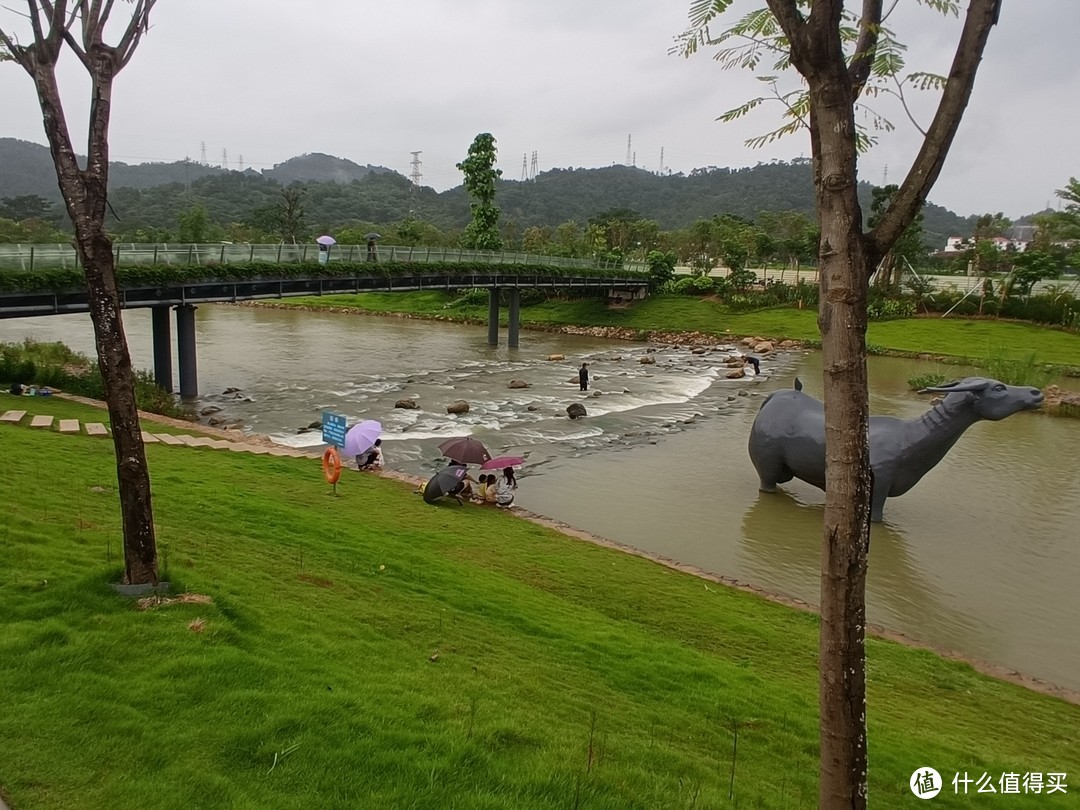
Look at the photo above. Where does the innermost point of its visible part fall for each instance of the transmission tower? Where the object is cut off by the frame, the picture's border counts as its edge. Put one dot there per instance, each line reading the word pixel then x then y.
pixel 661 161
pixel 534 165
pixel 240 158
pixel 524 168
pixel 634 162
pixel 203 159
pixel 628 155
pixel 415 177
pixel 225 158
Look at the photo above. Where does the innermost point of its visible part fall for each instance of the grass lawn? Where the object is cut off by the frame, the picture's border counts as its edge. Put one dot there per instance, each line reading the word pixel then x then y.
pixel 368 650
pixel 953 337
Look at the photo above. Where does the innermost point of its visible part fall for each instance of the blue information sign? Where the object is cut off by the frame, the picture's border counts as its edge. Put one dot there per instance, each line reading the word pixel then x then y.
pixel 333 428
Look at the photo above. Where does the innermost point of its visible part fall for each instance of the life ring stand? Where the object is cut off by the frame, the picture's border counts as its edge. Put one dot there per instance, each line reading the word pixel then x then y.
pixel 331 465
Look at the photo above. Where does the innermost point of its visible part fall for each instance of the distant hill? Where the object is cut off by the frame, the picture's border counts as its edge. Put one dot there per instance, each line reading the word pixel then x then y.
pixel 316 167
pixel 341 192
pixel 27 168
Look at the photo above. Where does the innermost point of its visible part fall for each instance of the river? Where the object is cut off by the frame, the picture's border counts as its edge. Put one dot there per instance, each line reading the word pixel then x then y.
pixel 981 557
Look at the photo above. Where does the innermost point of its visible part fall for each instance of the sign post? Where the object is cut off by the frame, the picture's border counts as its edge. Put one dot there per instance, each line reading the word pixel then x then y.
pixel 333 433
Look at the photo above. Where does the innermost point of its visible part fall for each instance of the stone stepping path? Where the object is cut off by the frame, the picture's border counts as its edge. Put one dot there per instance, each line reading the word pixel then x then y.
pixel 71 426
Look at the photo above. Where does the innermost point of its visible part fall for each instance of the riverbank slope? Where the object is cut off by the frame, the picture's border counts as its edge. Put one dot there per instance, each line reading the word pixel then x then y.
pixel 361 648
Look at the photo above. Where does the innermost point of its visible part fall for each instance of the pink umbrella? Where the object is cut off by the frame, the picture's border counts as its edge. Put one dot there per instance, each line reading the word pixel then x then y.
pixel 502 461
pixel 326 240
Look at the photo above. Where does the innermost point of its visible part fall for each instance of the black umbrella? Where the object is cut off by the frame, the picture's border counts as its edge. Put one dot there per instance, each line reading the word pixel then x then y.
pixel 445 482
pixel 465 449
pixel 373 236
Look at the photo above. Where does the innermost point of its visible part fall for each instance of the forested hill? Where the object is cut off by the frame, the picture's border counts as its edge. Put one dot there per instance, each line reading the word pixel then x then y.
pixel 26 168
pixel 340 192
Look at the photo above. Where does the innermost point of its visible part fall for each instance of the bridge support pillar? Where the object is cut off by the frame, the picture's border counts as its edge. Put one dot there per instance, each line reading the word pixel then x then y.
pixel 185 339
pixel 161 331
pixel 493 316
pixel 515 317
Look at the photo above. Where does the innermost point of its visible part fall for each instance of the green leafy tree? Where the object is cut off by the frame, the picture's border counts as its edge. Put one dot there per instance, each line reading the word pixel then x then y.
pixel 567 240
pixel 1029 268
pixel 55 27
pixel 28 206
pixel 987 226
pixel 909 249
pixel 482 233
pixel 1059 226
pixel 841 56
pixel 195 224
pixel 661 267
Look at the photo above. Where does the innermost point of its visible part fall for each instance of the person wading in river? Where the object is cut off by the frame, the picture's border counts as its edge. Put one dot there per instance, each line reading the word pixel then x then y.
pixel 583 376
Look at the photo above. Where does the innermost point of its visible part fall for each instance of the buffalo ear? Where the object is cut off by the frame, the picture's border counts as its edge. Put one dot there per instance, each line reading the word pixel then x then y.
pixel 968 384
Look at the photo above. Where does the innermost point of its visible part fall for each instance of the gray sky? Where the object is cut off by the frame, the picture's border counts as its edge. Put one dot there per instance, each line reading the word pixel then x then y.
pixel 568 79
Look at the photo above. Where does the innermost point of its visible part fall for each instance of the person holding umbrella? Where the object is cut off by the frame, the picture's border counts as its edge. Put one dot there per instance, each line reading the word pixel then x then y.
pixel 372 253
pixel 374 460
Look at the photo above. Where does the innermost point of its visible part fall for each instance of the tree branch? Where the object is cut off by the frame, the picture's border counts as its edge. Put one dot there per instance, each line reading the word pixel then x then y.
pixel 137 26
pixel 981 17
pixel 865 46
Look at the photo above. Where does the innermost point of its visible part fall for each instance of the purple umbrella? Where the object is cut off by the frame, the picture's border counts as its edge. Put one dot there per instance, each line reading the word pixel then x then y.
pixel 327 240
pixel 361 437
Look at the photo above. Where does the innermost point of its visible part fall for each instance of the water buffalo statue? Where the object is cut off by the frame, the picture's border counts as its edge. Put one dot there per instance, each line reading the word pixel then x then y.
pixel 788 437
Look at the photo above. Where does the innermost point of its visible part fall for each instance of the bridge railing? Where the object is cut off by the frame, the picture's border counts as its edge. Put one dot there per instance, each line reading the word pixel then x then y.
pixel 27 258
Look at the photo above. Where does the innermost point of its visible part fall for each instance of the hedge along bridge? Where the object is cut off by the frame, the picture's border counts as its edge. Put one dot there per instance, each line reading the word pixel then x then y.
pixel 175 285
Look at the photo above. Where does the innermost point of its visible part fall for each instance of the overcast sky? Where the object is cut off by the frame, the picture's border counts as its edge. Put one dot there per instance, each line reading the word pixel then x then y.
pixel 567 79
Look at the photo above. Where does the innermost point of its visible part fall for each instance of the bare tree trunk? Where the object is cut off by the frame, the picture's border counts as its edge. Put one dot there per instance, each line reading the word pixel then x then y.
pixel 843 268
pixel 85 194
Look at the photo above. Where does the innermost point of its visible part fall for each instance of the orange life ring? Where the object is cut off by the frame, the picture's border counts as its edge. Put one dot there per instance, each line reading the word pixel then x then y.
pixel 331 465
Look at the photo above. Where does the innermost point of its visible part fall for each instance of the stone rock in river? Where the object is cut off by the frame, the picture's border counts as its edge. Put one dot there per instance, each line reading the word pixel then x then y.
pixel 407 404
pixel 518 384
pixel 459 407
pixel 556 357
pixel 647 360
pixel 576 410
pixel 735 374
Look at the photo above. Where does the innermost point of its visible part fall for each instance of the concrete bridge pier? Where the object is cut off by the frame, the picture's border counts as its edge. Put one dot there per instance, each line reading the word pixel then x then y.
pixel 185 338
pixel 493 316
pixel 515 317
pixel 161 331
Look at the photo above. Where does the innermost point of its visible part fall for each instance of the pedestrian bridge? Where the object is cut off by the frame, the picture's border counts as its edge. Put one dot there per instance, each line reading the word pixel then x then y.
pixel 184 296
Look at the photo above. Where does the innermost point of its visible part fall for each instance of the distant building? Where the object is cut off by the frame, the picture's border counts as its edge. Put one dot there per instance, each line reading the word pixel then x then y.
pixel 958 244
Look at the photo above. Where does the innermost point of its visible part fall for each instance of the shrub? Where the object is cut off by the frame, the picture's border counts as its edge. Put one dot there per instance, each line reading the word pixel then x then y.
pixel 929 380
pixel 66 370
pixel 890 309
pixel 695 285
pixel 475 297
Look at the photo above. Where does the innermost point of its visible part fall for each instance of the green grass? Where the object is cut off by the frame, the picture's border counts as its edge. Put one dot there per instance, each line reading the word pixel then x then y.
pixel 368 650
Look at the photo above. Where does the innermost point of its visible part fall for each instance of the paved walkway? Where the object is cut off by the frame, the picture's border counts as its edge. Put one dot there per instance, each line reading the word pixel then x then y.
pixel 73 427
